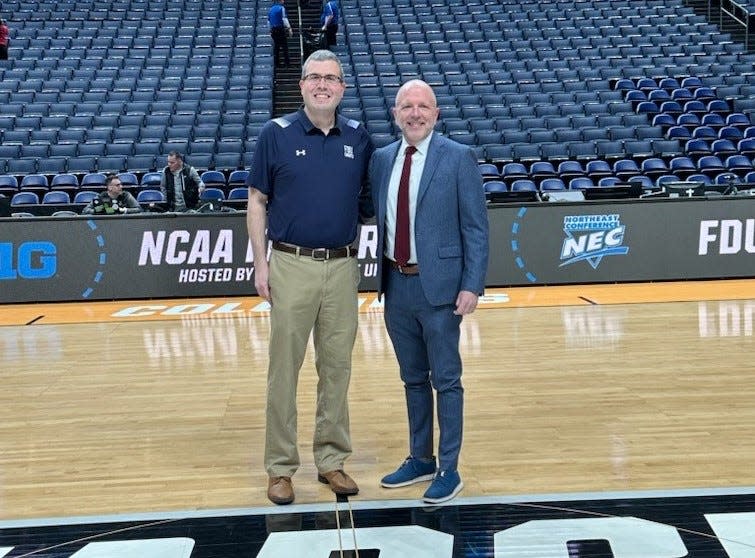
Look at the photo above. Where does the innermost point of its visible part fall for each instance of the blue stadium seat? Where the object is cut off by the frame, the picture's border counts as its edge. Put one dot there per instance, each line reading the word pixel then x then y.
pixel 212 194
pixel 552 184
pixel 237 179
pixel 570 169
pixel 213 178
pixel 151 180
pixel 82 164
pixel 645 181
pixel 111 163
pixel 24 198
pixel 84 196
pixel 34 181
pixel 57 197
pixel 607 181
pixel 718 106
pixel 580 183
pixel 540 170
pixel 238 193
pixel 493 186
pixel 738 164
pixel 93 181
pixel 150 196
pixel 598 168
pixel 723 148
pixel 726 132
pixel 688 120
pixel 513 171
pixel 64 181
pixel 523 184
pixel 488 170
pixel 704 132
pixel 8 184
pixel 746 146
pixel 626 168
pixel 128 179
pixel 696 148
pixel 710 165
pixel 638 149
pixel 140 163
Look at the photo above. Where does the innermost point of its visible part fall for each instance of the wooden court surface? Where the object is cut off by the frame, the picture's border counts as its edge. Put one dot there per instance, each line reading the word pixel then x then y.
pixel 138 406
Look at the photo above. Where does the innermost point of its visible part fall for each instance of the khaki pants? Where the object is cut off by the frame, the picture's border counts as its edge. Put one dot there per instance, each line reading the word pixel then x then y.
pixel 318 297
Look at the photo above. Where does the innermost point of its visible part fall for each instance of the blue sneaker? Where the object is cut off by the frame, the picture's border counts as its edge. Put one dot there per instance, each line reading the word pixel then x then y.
pixel 445 486
pixel 411 470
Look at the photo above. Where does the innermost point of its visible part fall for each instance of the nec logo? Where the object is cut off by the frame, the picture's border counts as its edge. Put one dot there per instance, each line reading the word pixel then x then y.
pixel 590 237
pixel 28 260
pixel 179 547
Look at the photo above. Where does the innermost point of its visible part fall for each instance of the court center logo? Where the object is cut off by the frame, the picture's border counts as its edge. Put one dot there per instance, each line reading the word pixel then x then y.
pixel 591 238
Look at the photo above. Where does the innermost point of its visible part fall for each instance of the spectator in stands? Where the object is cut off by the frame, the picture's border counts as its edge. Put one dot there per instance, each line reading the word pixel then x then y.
pixel 307 191
pixel 4 40
pixel 280 31
pixel 180 184
pixel 329 22
pixel 433 247
pixel 113 201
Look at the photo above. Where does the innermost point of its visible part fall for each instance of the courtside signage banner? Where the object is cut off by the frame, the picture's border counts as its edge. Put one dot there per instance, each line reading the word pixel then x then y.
pixel 160 256
pixel 635 241
pixel 126 257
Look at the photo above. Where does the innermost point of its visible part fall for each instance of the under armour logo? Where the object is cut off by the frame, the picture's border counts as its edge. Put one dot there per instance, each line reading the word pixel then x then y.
pixel 301 152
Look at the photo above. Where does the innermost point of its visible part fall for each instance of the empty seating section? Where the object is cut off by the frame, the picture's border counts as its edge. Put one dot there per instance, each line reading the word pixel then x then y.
pixel 102 86
pixel 528 82
pixel 551 95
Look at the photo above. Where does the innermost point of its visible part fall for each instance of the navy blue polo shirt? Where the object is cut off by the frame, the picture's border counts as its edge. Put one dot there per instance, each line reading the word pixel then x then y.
pixel 312 181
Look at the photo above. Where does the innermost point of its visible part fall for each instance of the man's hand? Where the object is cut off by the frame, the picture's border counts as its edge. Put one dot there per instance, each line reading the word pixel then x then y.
pixel 466 302
pixel 261 275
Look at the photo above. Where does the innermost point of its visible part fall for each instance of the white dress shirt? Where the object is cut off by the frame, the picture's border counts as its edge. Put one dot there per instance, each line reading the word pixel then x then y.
pixel 418 165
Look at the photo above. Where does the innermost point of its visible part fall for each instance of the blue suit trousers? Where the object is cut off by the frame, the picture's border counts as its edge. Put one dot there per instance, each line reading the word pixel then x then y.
pixel 426 341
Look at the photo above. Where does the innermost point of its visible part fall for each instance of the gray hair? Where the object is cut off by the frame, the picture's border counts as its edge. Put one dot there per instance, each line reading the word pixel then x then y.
pixel 321 55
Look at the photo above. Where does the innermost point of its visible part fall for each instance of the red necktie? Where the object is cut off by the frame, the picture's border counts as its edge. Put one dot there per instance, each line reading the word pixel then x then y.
pixel 401 247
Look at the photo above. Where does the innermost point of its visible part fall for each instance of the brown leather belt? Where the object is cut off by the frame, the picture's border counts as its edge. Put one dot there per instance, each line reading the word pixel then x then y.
pixel 319 254
pixel 408 269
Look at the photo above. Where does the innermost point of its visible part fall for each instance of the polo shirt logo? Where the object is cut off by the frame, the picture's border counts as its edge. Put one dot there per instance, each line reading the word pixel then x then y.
pixel 301 152
pixel 348 151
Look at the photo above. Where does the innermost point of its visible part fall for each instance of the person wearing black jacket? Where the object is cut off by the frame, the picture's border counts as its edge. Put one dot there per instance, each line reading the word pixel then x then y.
pixel 180 184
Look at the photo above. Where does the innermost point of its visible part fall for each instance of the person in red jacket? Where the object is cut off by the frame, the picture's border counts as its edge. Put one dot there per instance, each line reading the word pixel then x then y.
pixel 4 40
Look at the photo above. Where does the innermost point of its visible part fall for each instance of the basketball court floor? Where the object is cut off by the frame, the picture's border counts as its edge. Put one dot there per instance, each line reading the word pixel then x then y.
pixel 601 421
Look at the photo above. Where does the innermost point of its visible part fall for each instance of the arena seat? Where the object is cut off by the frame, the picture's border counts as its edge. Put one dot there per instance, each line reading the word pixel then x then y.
pixel 150 196
pixel 24 198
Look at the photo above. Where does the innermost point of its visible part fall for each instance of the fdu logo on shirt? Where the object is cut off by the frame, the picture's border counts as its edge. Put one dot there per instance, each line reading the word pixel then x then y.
pixel 591 237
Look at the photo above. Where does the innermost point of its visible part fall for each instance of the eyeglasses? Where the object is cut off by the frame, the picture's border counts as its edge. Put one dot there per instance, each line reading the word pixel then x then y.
pixel 330 79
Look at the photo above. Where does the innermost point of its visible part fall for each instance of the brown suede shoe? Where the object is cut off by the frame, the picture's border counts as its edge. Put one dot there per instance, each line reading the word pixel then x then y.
pixel 339 482
pixel 280 490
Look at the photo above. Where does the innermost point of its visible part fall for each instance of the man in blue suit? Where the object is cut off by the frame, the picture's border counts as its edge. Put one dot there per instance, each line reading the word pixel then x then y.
pixel 432 260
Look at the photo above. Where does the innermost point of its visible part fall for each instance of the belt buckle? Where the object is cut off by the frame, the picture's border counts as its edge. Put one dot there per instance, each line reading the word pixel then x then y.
pixel 320 254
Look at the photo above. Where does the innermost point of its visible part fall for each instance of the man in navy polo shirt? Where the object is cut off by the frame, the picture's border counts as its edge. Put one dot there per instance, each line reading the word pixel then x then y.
pixel 307 192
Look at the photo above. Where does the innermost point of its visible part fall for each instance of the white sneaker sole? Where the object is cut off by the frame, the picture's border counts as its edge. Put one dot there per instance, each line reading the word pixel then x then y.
pixel 415 480
pixel 453 494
